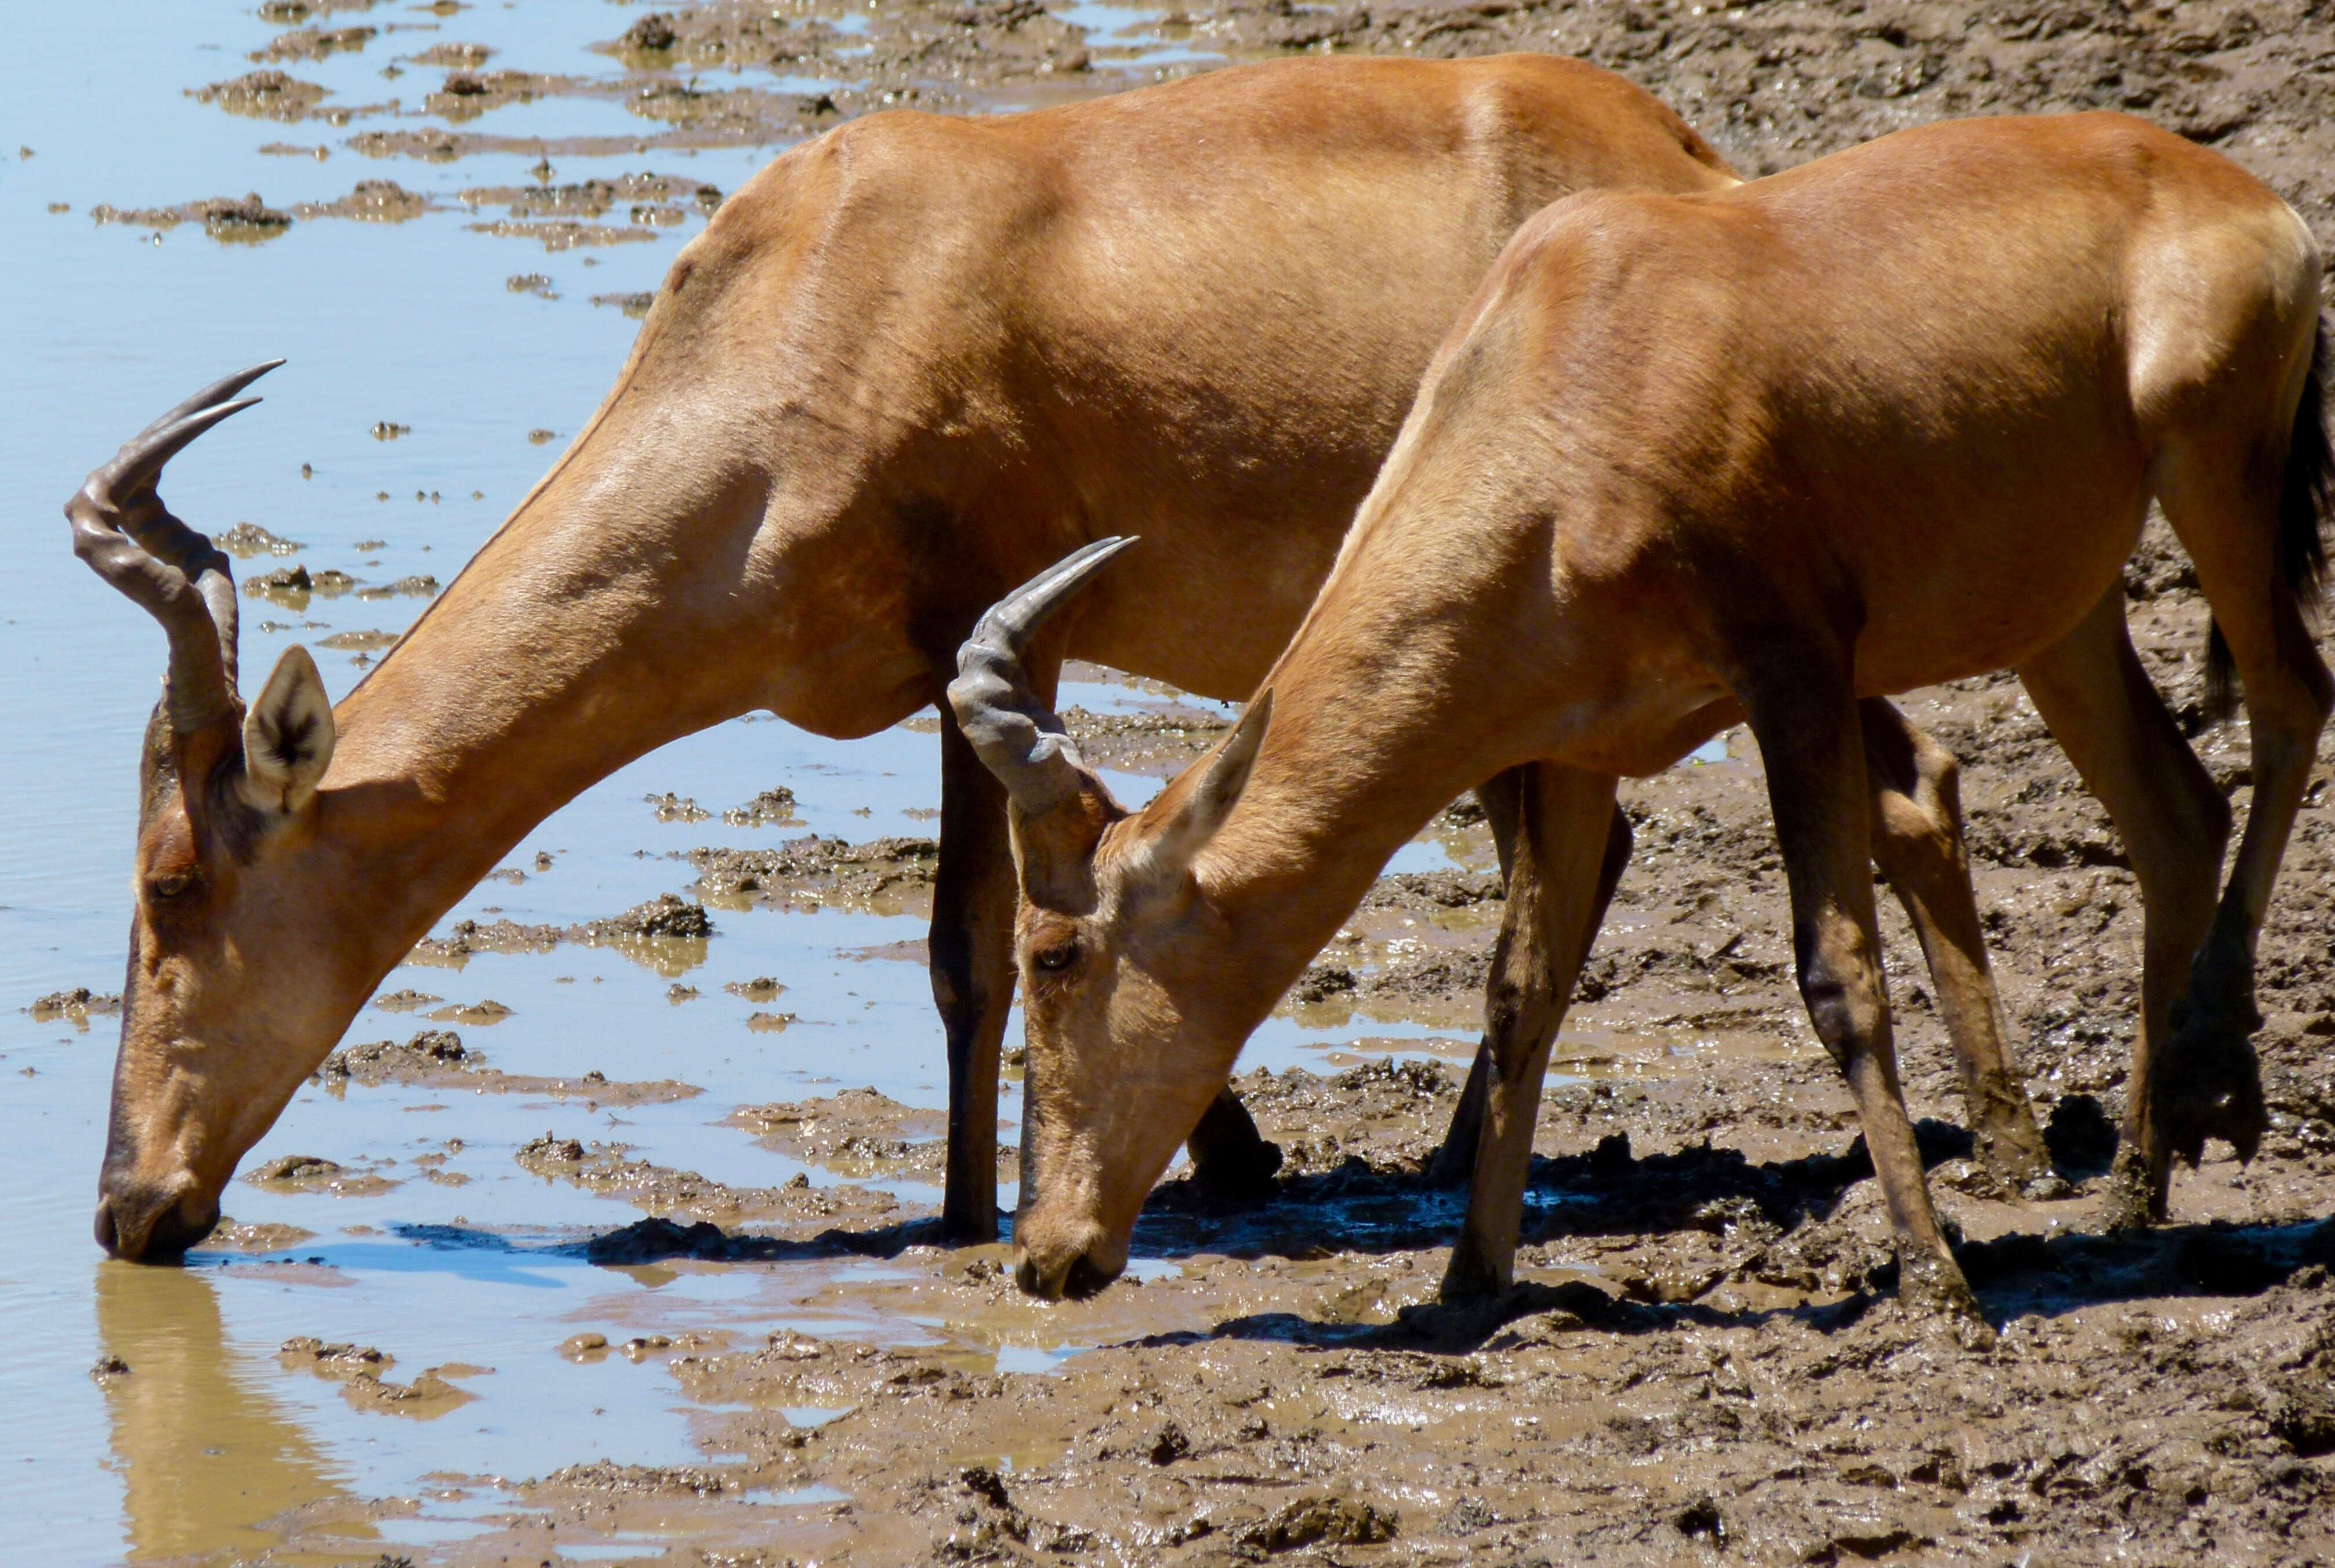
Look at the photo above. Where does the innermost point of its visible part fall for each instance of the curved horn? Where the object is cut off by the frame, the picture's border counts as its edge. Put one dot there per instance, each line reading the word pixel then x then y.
pixel 1017 737
pixel 129 537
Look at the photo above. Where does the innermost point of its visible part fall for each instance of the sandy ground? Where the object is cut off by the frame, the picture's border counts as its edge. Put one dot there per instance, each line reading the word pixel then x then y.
pixel 1705 1363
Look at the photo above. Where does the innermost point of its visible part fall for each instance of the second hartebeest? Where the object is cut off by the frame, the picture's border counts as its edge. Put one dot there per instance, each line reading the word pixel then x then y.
pixel 1891 418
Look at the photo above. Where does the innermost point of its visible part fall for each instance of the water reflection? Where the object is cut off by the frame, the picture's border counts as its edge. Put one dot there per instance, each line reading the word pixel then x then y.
pixel 206 1458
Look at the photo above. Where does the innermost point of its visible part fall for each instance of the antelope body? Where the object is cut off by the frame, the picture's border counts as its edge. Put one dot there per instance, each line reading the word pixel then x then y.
pixel 1891 418
pixel 905 366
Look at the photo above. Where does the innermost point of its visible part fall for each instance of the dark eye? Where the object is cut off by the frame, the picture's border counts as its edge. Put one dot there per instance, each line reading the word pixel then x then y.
pixel 169 885
pixel 1054 960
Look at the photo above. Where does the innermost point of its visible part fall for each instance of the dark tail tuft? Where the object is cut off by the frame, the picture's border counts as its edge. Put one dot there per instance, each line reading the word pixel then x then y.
pixel 2308 492
pixel 2221 676
pixel 2304 501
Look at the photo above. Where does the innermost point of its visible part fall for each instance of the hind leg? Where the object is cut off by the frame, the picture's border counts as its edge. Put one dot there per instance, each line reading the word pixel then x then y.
pixel 1917 842
pixel 2107 716
pixel 2228 509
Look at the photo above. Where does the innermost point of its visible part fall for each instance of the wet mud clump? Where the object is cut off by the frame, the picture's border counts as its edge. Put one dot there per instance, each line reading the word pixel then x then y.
pixel 437 1058
pixel 771 808
pixel 233 1235
pixel 789 1212
pixel 229 219
pixel 668 934
pixel 882 877
pixel 372 201
pixel 1158 742
pixel 634 306
pixel 315 42
pixel 264 95
pixel 308 1173
pixel 245 540
pixel 76 1007
pixel 862 1133
pixel 593 198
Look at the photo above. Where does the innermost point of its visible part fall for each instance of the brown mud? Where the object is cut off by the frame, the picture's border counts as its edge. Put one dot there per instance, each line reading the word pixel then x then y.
pixel 881 877
pixel 438 1058
pixel 666 933
pixel 864 1136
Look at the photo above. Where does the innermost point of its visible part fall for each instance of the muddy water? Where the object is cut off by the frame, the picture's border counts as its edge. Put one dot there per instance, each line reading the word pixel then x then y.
pixel 433 371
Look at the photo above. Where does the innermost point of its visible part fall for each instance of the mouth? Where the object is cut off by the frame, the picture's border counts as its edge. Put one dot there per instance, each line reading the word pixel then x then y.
pixel 1084 1278
pixel 154 1229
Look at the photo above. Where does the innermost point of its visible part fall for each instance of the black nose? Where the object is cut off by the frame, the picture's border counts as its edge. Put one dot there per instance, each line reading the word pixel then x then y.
pixel 143 1226
pixel 1084 1279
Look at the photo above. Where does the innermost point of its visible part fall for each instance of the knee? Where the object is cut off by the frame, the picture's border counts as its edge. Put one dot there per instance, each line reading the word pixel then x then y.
pixel 959 993
pixel 1845 1000
pixel 1940 786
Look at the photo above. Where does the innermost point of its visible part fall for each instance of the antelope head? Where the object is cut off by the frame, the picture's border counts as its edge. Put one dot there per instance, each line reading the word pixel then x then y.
pixel 225 794
pixel 1131 1028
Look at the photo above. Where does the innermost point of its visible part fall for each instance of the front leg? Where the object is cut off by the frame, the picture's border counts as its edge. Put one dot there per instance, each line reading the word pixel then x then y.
pixel 1564 834
pixel 1502 800
pixel 970 948
pixel 1805 717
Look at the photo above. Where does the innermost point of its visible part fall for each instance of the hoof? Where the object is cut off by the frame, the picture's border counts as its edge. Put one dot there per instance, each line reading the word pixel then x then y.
pixel 2209 1085
pixel 2137 1192
pixel 2014 1156
pixel 1231 1160
pixel 1933 1286
pixel 1469 1278
pixel 1245 1176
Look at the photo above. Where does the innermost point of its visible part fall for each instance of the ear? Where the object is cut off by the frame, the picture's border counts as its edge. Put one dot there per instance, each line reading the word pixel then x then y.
pixel 1189 813
pixel 288 736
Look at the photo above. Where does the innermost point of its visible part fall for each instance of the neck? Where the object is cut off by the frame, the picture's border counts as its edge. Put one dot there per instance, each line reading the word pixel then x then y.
pixel 639 595
pixel 1339 786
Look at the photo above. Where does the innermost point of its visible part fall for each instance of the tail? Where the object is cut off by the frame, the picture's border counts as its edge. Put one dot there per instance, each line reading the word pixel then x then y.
pixel 2304 501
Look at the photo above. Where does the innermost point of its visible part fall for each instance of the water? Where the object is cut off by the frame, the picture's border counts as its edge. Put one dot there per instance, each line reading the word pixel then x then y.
pixel 210 1435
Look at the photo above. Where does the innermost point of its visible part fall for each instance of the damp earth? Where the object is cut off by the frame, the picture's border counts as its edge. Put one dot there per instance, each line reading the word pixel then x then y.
pixel 608 1233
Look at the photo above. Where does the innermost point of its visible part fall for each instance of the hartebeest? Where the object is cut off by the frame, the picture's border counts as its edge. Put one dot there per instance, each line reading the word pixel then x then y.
pixel 1890 419
pixel 904 367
